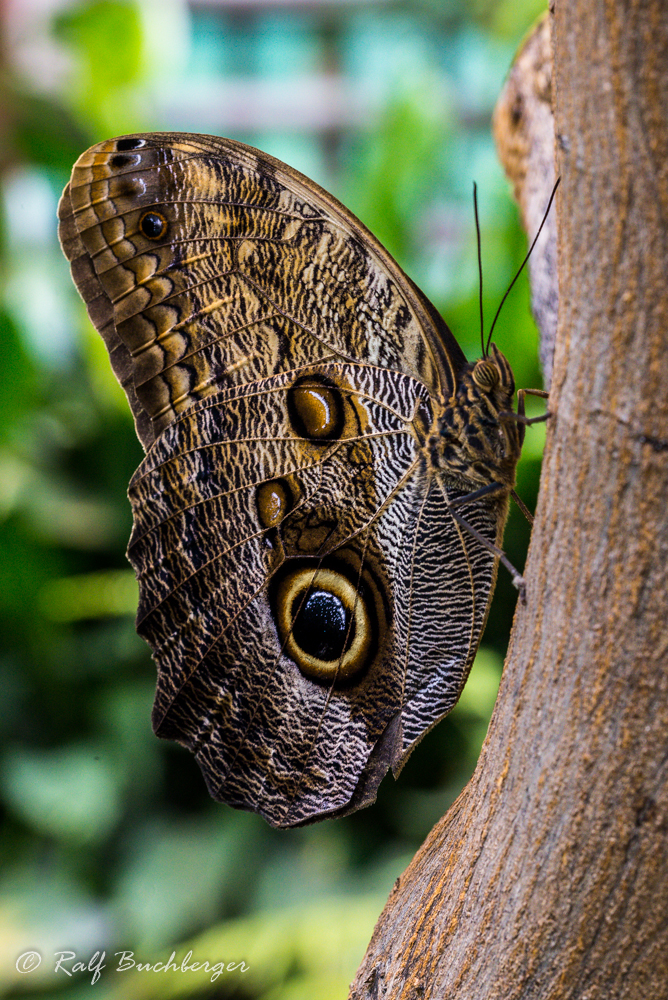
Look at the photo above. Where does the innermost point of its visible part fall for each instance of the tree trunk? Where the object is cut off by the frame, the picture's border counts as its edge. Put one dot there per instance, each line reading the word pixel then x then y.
pixel 548 878
pixel 524 133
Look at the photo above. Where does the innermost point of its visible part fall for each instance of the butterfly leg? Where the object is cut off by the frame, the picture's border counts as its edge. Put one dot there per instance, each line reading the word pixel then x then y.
pixel 522 506
pixel 541 393
pixel 517 578
pixel 520 417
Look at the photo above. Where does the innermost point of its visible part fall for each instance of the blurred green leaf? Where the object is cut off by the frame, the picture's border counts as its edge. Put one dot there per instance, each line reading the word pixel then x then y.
pixel 90 595
pixel 71 793
pixel 309 952
pixel 106 39
pixel 481 688
pixel 39 129
pixel 176 873
pixel 19 382
pixel 394 168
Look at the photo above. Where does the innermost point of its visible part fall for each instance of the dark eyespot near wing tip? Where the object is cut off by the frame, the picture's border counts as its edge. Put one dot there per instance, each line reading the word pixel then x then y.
pixel 122 160
pixel 153 225
pixel 129 143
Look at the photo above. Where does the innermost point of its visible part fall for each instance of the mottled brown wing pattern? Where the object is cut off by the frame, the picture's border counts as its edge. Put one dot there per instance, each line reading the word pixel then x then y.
pixel 207 264
pixel 263 729
pixel 312 603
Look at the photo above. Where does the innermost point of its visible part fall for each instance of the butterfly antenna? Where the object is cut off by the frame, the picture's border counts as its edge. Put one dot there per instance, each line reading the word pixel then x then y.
pixel 521 267
pixel 477 233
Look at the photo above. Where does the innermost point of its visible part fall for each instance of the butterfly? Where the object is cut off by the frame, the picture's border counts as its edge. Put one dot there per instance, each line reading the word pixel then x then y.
pixel 318 519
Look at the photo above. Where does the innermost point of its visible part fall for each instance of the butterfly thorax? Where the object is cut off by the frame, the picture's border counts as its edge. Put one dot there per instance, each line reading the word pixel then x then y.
pixel 475 443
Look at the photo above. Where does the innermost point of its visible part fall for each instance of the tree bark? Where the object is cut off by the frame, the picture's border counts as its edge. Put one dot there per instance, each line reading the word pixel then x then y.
pixel 548 878
pixel 523 126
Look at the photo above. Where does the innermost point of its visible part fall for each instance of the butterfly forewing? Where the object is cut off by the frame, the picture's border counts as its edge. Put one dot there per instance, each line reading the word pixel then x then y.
pixel 255 271
pixel 312 604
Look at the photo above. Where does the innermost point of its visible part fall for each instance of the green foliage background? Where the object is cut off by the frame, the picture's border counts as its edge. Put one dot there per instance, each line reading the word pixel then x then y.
pixel 110 841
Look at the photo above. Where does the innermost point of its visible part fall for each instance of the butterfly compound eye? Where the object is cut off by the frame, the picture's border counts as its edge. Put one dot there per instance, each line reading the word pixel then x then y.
pixel 153 225
pixel 486 375
pixel 325 623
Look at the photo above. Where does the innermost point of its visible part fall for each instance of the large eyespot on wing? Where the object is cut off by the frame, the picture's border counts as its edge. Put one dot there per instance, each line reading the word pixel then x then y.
pixel 266 577
pixel 205 263
pixel 312 606
pixel 329 618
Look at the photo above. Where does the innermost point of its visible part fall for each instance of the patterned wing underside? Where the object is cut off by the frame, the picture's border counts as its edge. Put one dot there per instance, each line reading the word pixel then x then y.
pixel 262 732
pixel 248 278
pixel 258 271
pixel 444 585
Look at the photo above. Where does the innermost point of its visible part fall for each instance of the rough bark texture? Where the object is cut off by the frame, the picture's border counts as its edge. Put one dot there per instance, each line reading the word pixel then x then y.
pixel 549 876
pixel 524 134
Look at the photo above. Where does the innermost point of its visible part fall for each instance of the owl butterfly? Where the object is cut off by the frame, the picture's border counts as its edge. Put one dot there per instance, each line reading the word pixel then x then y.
pixel 326 481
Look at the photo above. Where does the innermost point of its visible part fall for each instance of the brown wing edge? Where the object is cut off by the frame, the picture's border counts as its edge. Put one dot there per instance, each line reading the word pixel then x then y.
pixel 379 762
pixel 101 313
pixel 447 343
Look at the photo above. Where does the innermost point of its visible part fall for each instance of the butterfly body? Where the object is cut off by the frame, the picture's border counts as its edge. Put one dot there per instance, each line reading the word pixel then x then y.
pixel 473 445
pixel 313 433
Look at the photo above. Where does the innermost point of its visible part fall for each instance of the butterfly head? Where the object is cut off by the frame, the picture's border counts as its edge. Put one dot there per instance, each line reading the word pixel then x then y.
pixel 494 377
pixel 476 442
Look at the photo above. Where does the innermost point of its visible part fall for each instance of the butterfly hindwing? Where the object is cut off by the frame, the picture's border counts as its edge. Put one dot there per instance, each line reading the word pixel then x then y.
pixel 215 571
